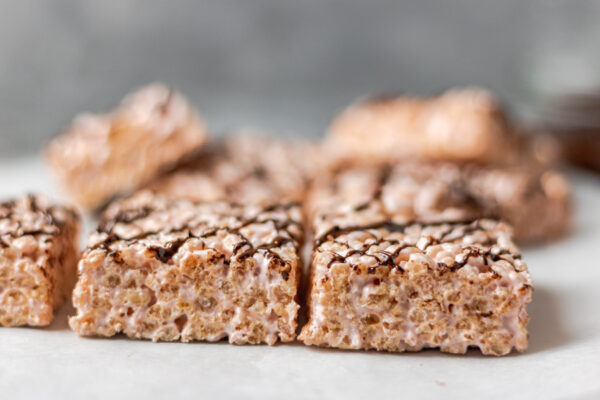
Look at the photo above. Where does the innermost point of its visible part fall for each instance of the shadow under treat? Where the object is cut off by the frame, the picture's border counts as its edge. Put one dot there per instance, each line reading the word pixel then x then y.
pixel 547 330
pixel 61 318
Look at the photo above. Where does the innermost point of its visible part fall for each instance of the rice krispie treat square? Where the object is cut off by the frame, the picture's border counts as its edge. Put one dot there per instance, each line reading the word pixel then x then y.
pixel 393 287
pixel 102 155
pixel 178 270
pixel 38 255
pixel 459 125
pixel 244 168
pixel 535 201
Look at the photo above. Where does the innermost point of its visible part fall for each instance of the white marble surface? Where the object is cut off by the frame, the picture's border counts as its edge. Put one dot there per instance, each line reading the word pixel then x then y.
pixel 563 360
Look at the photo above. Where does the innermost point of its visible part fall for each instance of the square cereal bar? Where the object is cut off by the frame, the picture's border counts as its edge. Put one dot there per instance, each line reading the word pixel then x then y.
pixel 393 287
pixel 459 125
pixel 100 156
pixel 38 255
pixel 178 270
pixel 243 168
pixel 535 201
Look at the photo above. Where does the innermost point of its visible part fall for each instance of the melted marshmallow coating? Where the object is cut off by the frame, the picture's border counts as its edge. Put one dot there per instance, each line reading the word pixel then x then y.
pixel 176 270
pixel 38 255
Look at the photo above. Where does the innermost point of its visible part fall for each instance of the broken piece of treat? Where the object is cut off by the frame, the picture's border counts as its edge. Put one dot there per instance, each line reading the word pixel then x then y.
pixel 243 168
pixel 177 270
pixel 100 156
pixel 459 125
pixel 406 287
pixel 535 201
pixel 38 255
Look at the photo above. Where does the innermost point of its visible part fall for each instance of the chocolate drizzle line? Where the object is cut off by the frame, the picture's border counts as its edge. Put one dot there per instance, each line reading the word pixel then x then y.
pixel 384 173
pixel 165 253
pixel 381 98
pixel 163 108
pixel 124 216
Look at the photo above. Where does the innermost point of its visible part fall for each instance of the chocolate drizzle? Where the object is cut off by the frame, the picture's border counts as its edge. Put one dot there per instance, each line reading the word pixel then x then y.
pixel 241 251
pixel 165 253
pixel 457 229
pixel 381 98
pixel 384 172
pixel 334 232
pixel 124 216
pixel 164 106
pixel 48 218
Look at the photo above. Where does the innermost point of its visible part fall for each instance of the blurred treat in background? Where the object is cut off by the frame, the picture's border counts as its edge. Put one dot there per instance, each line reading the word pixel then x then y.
pixel 458 125
pixel 244 167
pixel 103 155
pixel 560 78
pixel 574 118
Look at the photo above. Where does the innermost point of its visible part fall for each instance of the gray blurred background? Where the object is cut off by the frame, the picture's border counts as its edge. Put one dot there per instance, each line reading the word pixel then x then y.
pixel 285 66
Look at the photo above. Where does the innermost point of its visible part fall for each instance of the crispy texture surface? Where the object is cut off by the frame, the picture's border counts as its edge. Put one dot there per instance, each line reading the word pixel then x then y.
pixel 38 254
pixel 103 155
pixel 177 270
pixel 393 287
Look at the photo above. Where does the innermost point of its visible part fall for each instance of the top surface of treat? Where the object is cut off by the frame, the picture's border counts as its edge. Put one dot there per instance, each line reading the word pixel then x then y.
pixel 425 191
pixel 243 168
pixel 461 124
pixel 401 193
pixel 451 246
pixel 31 215
pixel 473 108
pixel 467 99
pixel 156 109
pixel 158 106
pixel 160 226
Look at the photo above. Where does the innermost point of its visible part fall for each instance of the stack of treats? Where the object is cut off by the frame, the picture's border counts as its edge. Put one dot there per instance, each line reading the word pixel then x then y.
pixel 411 208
